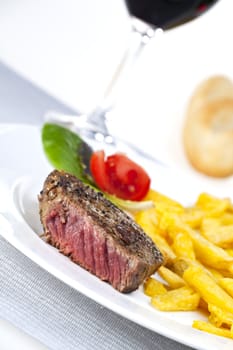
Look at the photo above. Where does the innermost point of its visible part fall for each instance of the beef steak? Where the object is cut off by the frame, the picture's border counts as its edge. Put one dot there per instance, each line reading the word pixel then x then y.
pixel 95 233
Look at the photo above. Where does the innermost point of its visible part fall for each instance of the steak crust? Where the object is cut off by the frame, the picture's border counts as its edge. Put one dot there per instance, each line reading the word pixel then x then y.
pixel 95 233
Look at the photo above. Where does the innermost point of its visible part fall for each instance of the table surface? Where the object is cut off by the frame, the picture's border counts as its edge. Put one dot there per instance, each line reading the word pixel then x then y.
pixel 69 48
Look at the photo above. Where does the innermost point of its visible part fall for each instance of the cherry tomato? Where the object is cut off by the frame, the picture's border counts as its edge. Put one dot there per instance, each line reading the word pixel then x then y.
pixel 119 175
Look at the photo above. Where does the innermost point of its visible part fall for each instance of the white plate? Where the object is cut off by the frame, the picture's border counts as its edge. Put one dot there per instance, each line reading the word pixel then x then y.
pixel 22 172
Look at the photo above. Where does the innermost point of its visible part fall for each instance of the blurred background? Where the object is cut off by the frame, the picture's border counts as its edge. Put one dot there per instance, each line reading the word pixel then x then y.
pixel 70 48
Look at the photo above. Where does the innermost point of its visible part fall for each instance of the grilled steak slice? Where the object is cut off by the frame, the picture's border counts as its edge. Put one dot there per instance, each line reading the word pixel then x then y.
pixel 96 234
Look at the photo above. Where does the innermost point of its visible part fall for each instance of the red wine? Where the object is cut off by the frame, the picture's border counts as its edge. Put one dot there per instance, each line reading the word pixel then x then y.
pixel 167 13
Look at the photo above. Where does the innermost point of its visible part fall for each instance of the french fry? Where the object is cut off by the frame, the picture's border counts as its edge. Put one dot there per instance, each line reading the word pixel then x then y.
pixel 210 328
pixel 197 243
pixel 171 224
pixel 183 246
pixel 173 280
pixel 210 223
pixel 212 206
pixel 215 232
pixel 179 265
pixel 196 277
pixel 163 204
pixel 229 251
pixel 181 299
pixel 206 251
pixel 216 274
pixel 153 287
pixel 227 284
pixel 164 247
pixel 159 198
pixel 147 220
pixel 210 254
pixel 203 305
pixel 226 273
pixel 220 317
pixel 192 216
pixel 226 218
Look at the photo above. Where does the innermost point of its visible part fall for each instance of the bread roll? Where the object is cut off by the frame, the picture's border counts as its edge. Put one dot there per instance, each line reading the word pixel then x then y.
pixel 208 127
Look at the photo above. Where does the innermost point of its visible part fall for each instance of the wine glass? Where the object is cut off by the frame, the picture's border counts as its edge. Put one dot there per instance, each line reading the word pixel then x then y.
pixel 147 17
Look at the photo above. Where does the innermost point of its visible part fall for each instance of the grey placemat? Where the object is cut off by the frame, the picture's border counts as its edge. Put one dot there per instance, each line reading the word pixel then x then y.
pixel 34 300
pixel 59 316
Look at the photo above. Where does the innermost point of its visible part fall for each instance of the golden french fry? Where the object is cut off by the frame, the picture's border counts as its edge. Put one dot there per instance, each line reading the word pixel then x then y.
pixel 207 252
pixel 153 287
pixel 192 216
pixel 159 198
pixel 210 328
pixel 227 284
pixel 203 305
pixel 171 224
pixel 165 249
pixel 210 254
pixel 196 277
pixel 220 317
pixel 173 280
pixel 163 204
pixel 183 246
pixel 226 218
pixel 226 273
pixel 216 274
pixel 215 232
pixel 223 236
pixel 210 223
pixel 165 207
pixel 197 243
pixel 181 299
pixel 147 219
pixel 229 251
pixel 179 265
pixel 212 206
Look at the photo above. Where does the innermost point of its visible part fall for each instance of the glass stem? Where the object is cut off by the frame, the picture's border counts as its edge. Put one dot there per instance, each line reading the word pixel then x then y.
pixel 141 34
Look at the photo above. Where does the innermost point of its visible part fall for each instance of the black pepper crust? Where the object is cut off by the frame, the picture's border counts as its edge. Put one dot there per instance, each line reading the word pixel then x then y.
pixel 102 211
